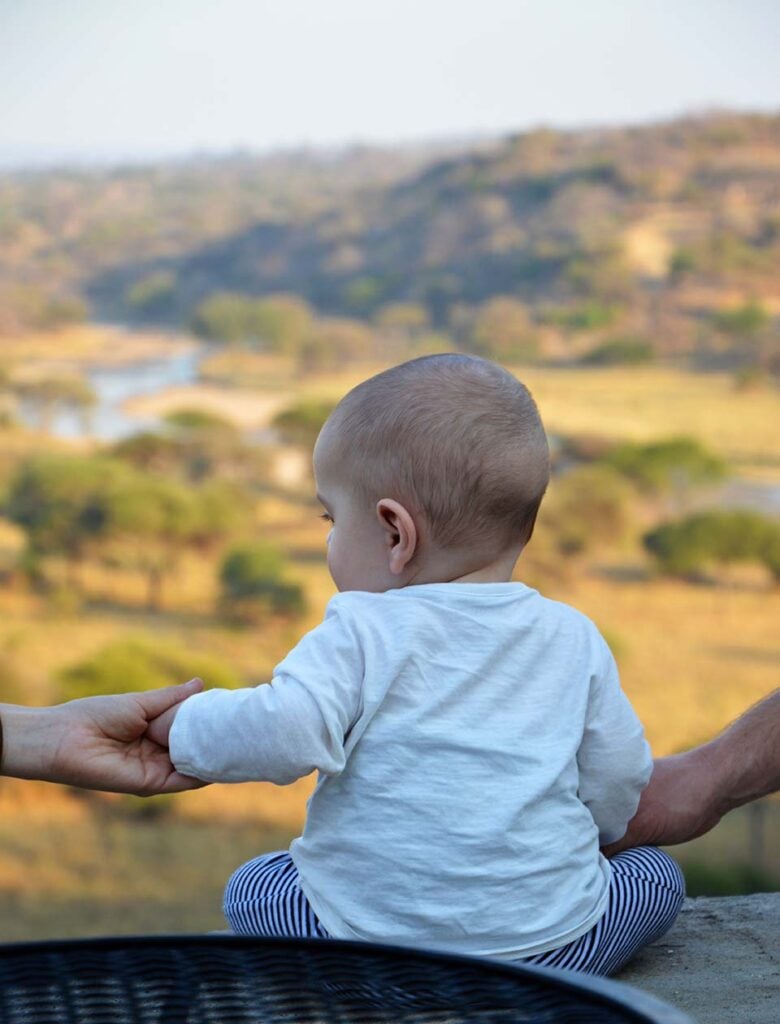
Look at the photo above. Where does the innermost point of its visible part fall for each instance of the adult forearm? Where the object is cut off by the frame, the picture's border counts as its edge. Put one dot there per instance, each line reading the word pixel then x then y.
pixel 745 758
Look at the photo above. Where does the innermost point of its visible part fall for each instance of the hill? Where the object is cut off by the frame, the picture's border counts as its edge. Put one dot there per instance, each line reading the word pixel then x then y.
pixel 667 231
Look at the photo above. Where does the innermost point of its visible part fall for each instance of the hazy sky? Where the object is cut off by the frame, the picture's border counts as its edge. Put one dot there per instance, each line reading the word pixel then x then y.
pixel 149 77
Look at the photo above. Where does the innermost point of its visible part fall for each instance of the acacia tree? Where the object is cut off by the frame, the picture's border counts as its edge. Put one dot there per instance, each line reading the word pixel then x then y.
pixel 152 522
pixel 195 446
pixel 155 521
pixel 73 506
pixel 253 585
pixel 673 464
pixel 65 503
pixel 686 546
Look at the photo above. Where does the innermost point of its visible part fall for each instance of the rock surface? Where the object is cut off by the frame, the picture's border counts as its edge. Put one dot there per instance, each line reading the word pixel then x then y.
pixel 720 962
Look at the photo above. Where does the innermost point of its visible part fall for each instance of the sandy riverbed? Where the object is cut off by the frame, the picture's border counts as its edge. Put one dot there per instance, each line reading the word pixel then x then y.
pixel 250 410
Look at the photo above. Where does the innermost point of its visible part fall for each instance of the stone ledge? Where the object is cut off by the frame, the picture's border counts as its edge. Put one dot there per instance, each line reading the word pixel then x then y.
pixel 720 962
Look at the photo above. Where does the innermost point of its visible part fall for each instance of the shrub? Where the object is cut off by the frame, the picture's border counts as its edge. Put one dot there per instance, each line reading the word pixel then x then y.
pixel 200 420
pixel 746 320
pixel 587 316
pixel 687 546
pixel 138 663
pixel 300 424
pixel 625 351
pixel 661 465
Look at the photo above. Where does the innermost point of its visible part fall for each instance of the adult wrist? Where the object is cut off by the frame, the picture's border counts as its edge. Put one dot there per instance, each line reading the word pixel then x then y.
pixel 723 768
pixel 27 742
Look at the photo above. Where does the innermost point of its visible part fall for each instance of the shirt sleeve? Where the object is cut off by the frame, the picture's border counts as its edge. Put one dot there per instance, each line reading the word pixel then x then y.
pixel 279 731
pixel 614 757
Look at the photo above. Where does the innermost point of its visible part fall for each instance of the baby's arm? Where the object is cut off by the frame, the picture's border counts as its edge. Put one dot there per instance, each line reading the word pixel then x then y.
pixel 614 757
pixel 281 731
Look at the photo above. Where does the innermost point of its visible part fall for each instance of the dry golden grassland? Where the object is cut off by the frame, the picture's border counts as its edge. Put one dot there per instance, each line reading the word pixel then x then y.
pixel 644 404
pixel 691 658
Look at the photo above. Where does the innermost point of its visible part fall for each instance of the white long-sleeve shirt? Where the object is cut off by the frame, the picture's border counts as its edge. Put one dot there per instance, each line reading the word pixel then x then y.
pixel 473 747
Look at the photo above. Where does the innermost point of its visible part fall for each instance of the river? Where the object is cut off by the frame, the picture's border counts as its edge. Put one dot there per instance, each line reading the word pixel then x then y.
pixel 113 386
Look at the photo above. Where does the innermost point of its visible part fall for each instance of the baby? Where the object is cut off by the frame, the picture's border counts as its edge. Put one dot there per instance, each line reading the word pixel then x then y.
pixel 473 745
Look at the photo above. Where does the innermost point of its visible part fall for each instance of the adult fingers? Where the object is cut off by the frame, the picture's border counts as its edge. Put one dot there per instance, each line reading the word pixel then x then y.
pixel 154 702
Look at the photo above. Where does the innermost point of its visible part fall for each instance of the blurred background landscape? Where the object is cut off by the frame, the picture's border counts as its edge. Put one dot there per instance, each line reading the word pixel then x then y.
pixel 179 313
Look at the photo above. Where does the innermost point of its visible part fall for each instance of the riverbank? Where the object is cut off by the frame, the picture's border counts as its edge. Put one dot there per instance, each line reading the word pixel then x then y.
pixel 94 345
pixel 248 410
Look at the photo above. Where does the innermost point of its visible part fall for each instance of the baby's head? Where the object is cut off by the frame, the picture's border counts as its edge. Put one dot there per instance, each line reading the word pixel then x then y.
pixel 430 470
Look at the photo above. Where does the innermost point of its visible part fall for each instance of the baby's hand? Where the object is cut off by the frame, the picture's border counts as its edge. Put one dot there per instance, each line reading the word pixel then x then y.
pixel 160 727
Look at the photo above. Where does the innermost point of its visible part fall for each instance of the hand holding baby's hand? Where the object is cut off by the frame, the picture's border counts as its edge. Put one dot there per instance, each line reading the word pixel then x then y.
pixel 160 727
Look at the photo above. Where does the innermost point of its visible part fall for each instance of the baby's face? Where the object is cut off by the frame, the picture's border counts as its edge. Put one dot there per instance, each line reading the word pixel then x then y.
pixel 357 544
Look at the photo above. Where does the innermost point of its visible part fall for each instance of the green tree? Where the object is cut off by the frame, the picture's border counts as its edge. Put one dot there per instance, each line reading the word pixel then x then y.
pixel 224 317
pixel 253 585
pixel 334 342
pixel 155 520
pixel 281 322
pixel 65 503
pixel 196 446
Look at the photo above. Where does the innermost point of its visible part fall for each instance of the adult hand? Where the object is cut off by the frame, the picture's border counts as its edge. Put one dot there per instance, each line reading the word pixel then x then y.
pixel 689 793
pixel 96 742
pixel 676 805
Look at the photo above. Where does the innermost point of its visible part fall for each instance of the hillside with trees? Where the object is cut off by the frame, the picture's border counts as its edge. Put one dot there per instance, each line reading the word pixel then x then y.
pixel 613 245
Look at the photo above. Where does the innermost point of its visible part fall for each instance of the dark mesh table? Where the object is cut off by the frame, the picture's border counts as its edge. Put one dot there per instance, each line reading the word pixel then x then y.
pixel 231 980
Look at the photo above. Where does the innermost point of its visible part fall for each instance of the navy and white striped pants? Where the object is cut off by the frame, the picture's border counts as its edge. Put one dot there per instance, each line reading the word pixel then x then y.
pixel 646 891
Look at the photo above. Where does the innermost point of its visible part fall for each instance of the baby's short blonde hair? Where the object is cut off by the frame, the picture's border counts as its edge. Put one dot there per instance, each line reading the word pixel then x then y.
pixel 454 438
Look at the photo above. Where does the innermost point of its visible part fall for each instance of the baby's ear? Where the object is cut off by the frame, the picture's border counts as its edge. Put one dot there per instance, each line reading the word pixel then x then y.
pixel 401 533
